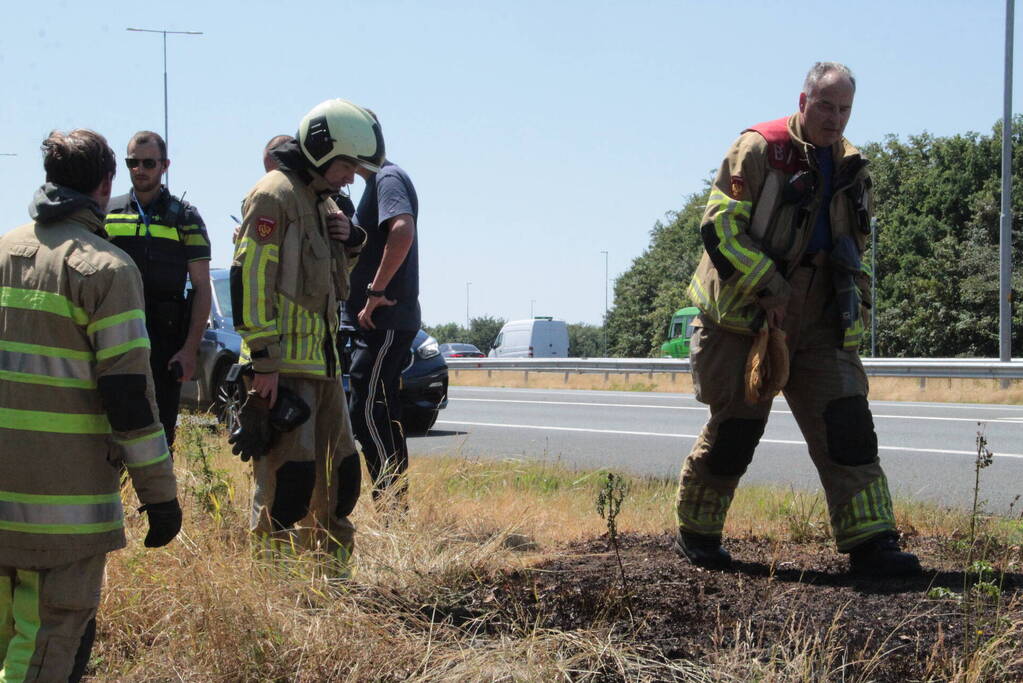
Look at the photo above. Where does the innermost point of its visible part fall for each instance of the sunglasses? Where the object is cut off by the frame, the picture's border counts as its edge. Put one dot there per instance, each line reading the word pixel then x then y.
pixel 148 164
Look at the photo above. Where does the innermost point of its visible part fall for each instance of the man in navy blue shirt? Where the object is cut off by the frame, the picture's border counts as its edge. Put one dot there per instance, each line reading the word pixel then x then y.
pixel 383 307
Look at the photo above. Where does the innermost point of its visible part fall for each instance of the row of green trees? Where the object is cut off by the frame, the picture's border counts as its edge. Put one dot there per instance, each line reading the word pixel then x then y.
pixel 584 341
pixel 937 255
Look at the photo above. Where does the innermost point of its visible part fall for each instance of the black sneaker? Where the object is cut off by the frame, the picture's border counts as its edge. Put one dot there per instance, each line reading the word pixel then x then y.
pixel 703 551
pixel 881 556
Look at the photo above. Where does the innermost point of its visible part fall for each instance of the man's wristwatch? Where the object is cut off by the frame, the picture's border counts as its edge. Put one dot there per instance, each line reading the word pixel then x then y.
pixel 373 292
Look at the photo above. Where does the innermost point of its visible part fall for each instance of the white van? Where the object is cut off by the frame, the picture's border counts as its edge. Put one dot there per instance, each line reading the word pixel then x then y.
pixel 537 338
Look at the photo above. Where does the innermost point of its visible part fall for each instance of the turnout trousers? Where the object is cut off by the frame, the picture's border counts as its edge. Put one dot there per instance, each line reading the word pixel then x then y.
pixel 827 393
pixel 311 473
pixel 47 620
pixel 378 358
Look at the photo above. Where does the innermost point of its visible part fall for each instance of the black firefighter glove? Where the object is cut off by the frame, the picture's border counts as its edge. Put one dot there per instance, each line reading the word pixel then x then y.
pixel 252 438
pixel 164 522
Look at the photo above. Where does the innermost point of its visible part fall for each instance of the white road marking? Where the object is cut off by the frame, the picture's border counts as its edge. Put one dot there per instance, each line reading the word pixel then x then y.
pixel 693 436
pixel 662 396
pixel 1010 420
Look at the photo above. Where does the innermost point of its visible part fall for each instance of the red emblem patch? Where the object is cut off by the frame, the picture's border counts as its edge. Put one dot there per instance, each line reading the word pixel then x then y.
pixel 265 227
pixel 737 185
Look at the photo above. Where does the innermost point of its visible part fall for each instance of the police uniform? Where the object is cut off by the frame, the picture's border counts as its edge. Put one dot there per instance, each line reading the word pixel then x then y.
pixel 757 231
pixel 162 239
pixel 287 279
pixel 76 401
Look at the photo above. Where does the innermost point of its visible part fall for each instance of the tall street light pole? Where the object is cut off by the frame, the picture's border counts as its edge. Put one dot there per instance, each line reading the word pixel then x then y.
pixel 873 287
pixel 166 136
pixel 531 302
pixel 1005 236
pixel 604 326
pixel 467 306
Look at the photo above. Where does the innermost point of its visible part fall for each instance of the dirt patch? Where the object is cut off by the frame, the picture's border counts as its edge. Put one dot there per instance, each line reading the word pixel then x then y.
pixel 777 593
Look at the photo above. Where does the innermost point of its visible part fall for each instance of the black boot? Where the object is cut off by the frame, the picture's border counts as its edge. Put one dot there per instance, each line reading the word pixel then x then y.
pixel 703 551
pixel 881 556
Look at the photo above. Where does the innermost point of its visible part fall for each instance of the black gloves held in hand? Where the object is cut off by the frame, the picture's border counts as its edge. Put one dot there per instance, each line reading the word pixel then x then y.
pixel 252 437
pixel 164 522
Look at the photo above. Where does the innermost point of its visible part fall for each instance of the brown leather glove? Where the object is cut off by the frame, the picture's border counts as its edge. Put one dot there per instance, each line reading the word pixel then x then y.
pixel 767 366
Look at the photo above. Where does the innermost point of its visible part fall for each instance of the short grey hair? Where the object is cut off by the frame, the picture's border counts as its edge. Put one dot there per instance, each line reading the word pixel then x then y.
pixel 822 69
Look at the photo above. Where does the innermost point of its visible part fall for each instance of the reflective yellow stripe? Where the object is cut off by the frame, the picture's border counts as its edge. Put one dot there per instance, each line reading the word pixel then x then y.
pixel 701 510
pixel 121 229
pixel 60 514
pixel 39 350
pixel 60 423
pixel 256 313
pixel 144 450
pixel 46 302
pixel 119 333
pixel 25 612
pixel 868 514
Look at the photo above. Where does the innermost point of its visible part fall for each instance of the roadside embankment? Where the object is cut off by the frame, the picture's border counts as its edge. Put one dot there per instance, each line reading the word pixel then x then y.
pixel 882 388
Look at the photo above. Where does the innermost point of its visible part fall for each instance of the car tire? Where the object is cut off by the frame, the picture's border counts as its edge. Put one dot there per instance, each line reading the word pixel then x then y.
pixel 418 421
pixel 227 398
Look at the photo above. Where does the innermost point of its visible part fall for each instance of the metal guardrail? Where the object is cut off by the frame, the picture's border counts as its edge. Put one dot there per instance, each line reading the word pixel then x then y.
pixel 977 368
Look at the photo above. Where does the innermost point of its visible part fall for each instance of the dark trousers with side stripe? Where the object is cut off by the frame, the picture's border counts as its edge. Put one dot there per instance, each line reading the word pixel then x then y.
pixel 378 358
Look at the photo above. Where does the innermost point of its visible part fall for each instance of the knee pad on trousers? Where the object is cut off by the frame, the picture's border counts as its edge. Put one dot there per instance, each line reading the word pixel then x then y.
pixel 349 484
pixel 850 427
pixel 733 447
pixel 295 482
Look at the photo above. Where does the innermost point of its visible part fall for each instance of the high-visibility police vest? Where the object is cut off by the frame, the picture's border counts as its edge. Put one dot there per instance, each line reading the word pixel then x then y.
pixel 162 239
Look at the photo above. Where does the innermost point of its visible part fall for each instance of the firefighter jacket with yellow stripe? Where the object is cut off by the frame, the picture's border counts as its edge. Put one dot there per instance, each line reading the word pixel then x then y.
pixel 161 238
pixel 288 276
pixel 760 217
pixel 76 400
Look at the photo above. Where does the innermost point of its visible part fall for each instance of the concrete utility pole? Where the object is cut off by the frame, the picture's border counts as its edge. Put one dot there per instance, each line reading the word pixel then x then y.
pixel 467 305
pixel 604 326
pixel 873 287
pixel 1005 234
pixel 166 135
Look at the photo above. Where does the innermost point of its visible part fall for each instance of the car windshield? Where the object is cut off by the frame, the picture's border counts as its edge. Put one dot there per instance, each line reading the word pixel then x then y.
pixel 463 347
pixel 222 290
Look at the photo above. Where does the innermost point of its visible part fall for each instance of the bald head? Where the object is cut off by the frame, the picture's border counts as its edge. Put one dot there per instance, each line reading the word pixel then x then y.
pixel 276 141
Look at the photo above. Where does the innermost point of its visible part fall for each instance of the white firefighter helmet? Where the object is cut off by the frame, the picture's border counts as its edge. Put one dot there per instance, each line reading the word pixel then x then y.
pixel 339 128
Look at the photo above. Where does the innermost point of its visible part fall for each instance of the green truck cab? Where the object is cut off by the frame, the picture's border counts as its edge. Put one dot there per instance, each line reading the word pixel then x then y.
pixel 680 330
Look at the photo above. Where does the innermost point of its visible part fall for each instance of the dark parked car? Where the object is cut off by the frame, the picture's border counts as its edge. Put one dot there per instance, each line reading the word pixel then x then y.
pixel 461 351
pixel 424 388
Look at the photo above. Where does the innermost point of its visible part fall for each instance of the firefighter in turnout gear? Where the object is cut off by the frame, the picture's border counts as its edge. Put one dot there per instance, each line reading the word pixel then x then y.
pixel 289 274
pixel 76 404
pixel 786 223
pixel 166 238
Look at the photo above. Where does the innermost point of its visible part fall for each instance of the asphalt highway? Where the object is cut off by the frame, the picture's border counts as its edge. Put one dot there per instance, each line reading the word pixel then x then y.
pixel 927 449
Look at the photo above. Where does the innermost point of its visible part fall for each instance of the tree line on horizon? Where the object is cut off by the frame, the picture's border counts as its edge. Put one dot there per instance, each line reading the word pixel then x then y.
pixel 938 215
pixel 584 340
pixel 937 267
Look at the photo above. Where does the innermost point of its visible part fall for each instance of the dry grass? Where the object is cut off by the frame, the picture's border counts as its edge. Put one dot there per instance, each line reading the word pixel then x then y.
pixel 203 609
pixel 936 389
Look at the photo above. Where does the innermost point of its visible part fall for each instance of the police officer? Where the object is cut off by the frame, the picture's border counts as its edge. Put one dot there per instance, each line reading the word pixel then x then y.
pixel 786 223
pixel 77 398
pixel 289 273
pixel 166 238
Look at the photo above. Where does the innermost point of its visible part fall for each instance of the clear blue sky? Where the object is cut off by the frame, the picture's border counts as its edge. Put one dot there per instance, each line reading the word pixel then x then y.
pixel 537 133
